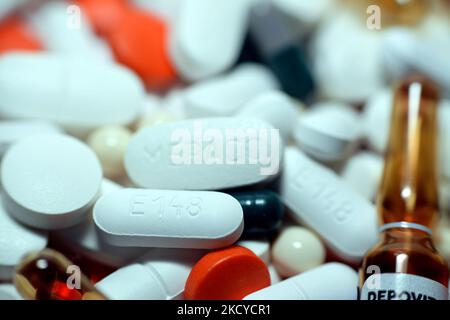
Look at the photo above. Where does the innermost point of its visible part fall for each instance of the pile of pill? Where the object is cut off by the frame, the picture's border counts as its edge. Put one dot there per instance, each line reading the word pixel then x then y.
pixel 203 149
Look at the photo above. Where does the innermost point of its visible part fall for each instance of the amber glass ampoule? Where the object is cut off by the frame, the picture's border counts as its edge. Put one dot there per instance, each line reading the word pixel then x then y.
pixel 45 275
pixel 406 265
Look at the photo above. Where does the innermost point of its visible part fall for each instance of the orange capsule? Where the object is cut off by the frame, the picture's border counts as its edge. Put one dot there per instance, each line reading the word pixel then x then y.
pixel 228 274
pixel 14 35
pixel 104 15
pixel 140 44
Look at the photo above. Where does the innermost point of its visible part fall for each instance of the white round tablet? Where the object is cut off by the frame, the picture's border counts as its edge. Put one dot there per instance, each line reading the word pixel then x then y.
pixel 50 181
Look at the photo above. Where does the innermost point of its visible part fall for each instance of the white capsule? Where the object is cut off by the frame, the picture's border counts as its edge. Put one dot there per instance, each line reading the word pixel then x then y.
pixel 224 95
pixel 276 108
pixel 320 199
pixel 259 247
pixel 84 238
pixel 9 292
pixel 170 219
pixel 297 250
pixel 204 154
pixel 331 281
pixel 12 131
pixel 50 181
pixel 55 88
pixel 201 45
pixel 328 131
pixel 377 119
pixel 367 165
pixel 16 241
pixel 64 30
pixel 161 275
pixel 347 58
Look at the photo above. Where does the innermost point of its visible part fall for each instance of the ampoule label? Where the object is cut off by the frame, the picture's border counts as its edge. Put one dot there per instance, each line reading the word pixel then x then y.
pixel 401 286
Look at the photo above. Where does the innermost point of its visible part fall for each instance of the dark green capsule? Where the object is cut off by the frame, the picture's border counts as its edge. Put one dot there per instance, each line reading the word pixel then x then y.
pixel 263 211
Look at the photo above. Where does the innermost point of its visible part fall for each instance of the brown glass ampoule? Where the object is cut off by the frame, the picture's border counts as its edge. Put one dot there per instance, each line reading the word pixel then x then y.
pixel 46 275
pixel 406 265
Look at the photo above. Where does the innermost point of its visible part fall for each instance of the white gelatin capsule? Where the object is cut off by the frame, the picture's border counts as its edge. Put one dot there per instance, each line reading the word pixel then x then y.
pixel 64 30
pixel 201 45
pixel 259 247
pixel 8 292
pixel 364 164
pixel 84 238
pixel 224 95
pixel 328 131
pixel 331 281
pixel 276 108
pixel 170 219
pixel 50 181
pixel 161 275
pixel 12 131
pixel 204 154
pixel 55 88
pixel 317 197
pixel 16 241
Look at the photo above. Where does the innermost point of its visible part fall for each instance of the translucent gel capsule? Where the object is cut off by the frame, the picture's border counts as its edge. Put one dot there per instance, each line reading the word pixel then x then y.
pixel 48 275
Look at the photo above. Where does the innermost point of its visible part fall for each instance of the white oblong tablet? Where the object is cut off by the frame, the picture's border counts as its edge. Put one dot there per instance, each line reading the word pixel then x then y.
pixel 364 164
pixel 200 45
pixel 159 275
pixel 169 219
pixel 50 181
pixel 224 95
pixel 320 199
pixel 63 29
pixel 15 242
pixel 328 131
pixel 331 281
pixel 78 94
pixel 204 154
pixel 276 108
pixel 12 131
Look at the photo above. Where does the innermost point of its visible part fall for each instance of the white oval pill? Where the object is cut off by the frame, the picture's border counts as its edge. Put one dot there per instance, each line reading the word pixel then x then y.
pixel 204 154
pixel 328 131
pixel 201 45
pixel 55 88
pixel 15 242
pixel 297 250
pixel 159 275
pixel 165 218
pixel 331 281
pixel 276 108
pixel 224 95
pixel 318 198
pixel 364 164
pixel 13 131
pixel 50 181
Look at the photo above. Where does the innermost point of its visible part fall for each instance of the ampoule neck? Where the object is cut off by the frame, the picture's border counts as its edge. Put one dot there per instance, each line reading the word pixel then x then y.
pixel 405 234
